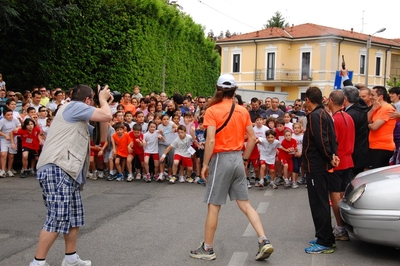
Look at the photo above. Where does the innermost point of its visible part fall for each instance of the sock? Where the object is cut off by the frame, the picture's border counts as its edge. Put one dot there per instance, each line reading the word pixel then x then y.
pixel 207 246
pixel 341 228
pixel 71 257
pixel 36 261
pixel 261 239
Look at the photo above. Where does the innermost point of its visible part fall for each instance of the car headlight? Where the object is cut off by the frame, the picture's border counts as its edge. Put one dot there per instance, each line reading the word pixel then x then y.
pixel 357 193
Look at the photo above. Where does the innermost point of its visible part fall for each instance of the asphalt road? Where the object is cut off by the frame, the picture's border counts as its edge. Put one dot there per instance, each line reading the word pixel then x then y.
pixel 158 224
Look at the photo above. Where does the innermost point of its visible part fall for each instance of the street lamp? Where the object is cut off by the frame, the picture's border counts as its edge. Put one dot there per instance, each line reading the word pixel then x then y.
pixel 367 54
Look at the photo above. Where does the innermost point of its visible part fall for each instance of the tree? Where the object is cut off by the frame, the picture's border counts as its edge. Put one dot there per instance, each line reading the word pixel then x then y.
pixel 276 21
pixel 393 82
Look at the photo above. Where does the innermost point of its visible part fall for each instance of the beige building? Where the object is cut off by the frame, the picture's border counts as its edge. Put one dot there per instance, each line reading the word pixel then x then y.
pixel 288 61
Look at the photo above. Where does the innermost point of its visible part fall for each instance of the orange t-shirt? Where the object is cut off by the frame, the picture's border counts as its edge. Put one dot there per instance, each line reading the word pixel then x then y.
pixel 129 107
pixel 231 137
pixel 382 138
pixel 122 144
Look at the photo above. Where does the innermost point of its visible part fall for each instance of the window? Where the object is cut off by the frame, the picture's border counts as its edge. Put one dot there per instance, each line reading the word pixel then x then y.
pixel 362 64
pixel 270 66
pixel 305 66
pixel 378 66
pixel 236 63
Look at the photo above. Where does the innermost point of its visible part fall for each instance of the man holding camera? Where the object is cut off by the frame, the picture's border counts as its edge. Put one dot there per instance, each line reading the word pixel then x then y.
pixel 62 169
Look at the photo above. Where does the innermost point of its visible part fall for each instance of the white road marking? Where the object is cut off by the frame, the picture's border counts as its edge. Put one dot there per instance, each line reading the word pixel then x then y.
pixel 238 259
pixel 262 207
pixel 268 193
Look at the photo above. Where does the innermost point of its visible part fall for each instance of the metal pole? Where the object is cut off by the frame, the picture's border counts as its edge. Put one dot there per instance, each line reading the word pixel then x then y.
pixel 367 60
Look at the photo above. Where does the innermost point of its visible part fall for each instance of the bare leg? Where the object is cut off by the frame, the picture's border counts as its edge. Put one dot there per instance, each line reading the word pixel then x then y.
pixel 335 198
pixel 211 223
pixel 70 239
pixel 252 215
pixel 46 240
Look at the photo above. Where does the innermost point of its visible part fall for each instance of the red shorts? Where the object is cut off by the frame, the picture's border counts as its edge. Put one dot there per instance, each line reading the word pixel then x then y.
pixel 140 156
pixel 186 161
pixel 154 155
pixel 94 153
pixel 270 166
pixel 289 162
pixel 254 162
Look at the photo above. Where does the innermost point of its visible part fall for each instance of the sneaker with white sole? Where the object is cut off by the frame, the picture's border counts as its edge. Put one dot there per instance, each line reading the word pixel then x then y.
pixel 265 250
pixel 138 176
pixel 197 179
pixel 260 183
pixel 189 180
pixel 273 185
pixel 341 235
pixel 160 177
pixel 182 179
pixel 201 253
pixel 172 179
pixel 9 173
pixel 130 178
pixel 318 249
pixel 248 183
pixel 100 174
pixel 78 262
pixel 147 179
pixel 294 185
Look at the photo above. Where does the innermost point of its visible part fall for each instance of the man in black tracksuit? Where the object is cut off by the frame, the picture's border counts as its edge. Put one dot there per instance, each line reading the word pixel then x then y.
pixel 319 149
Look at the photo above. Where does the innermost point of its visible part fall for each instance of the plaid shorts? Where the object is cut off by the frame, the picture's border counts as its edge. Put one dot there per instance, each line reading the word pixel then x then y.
pixel 62 198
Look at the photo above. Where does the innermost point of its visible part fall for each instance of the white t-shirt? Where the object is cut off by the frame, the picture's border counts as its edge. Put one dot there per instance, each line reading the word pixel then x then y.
pixel 268 150
pixel 299 140
pixel 6 126
pixel 168 133
pixel 289 125
pixel 151 142
pixel 182 146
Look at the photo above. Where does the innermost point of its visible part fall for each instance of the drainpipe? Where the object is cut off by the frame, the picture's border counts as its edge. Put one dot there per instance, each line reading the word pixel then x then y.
pixel 384 77
pixel 255 66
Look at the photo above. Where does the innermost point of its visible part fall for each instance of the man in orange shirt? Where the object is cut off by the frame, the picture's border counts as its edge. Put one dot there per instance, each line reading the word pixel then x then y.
pixel 126 103
pixel 227 174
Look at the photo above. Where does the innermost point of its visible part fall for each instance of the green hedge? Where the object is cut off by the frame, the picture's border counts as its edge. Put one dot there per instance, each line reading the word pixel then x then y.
pixel 117 42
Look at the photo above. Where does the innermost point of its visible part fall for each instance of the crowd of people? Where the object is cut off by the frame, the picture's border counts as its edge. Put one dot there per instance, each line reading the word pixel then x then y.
pixel 321 142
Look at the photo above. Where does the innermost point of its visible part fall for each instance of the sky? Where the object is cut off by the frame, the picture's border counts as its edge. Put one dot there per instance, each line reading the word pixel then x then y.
pixel 250 15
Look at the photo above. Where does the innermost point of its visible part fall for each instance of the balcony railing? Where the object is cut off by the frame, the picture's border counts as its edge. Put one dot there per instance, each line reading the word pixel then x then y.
pixel 282 74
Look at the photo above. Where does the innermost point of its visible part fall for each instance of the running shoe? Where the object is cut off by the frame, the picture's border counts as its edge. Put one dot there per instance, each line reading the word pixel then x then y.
pixel 265 250
pixel 201 253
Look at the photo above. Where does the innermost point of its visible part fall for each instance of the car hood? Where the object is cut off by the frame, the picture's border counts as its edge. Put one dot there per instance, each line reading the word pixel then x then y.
pixel 382 188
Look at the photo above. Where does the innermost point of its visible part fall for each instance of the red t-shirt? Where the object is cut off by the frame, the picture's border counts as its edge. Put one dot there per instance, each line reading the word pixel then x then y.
pixel 287 144
pixel 137 149
pixel 29 140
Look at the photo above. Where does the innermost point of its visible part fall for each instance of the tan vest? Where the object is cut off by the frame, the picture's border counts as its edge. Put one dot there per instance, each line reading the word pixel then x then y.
pixel 66 145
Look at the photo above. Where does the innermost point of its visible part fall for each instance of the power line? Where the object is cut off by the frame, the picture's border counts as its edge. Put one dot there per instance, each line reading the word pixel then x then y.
pixel 227 15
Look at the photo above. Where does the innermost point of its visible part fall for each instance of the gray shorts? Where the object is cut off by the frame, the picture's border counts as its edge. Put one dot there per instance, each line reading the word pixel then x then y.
pixel 170 156
pixel 226 177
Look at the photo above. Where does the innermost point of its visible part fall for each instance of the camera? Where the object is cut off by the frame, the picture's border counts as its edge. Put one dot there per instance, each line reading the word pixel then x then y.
pixel 115 94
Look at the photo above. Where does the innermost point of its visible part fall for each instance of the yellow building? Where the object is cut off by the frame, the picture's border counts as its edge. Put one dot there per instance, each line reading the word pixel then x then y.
pixel 292 59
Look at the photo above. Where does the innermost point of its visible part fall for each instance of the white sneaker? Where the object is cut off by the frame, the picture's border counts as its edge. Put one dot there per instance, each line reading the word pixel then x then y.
pixel 294 185
pixel 130 178
pixel 42 263
pixel 78 262
pixel 172 179
pixel 197 179
pixel 100 174
pixel 182 179
pixel 14 172
pixel 9 173
pixel 89 175
pixel 160 177
pixel 138 176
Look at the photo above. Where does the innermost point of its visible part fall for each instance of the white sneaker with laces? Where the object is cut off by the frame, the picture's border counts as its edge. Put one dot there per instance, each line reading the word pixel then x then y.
pixel 9 173
pixel 2 173
pixel 160 177
pixel 100 174
pixel 130 178
pixel 182 179
pixel 78 262
pixel 42 263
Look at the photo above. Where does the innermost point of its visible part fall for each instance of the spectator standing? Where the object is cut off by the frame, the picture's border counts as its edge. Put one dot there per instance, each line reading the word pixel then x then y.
pixel 358 110
pixel 44 99
pixel 319 157
pixel 343 174
pixel 136 93
pixel 274 111
pixel 36 98
pixel 395 99
pixel 225 148
pixel 256 110
pixel 381 127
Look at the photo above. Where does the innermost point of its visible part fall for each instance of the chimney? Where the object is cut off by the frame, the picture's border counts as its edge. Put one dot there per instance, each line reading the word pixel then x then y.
pixel 291 28
pixel 257 33
pixel 351 30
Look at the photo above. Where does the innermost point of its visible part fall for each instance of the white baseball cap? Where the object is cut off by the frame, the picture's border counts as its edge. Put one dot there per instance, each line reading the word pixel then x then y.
pixel 226 81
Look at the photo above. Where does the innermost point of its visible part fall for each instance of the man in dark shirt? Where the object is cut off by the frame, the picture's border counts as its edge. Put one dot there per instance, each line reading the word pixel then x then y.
pixel 256 110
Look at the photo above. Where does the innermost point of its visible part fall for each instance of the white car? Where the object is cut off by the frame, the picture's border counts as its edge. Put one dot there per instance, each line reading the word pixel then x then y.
pixel 371 206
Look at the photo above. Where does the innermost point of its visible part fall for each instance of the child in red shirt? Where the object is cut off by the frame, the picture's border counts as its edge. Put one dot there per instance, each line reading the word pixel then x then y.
pixel 135 150
pixel 120 141
pixel 289 147
pixel 30 141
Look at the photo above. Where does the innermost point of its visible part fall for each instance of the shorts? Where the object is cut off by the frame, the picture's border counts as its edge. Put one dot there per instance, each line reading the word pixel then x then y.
pixel 154 155
pixel 339 179
pixel 5 146
pixel 289 162
pixel 94 153
pixel 120 157
pixel 31 152
pixel 223 181
pixel 62 198
pixel 270 166
pixel 169 158
pixel 199 153
pixel 108 155
pixel 254 162
pixel 185 161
